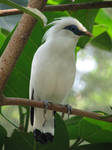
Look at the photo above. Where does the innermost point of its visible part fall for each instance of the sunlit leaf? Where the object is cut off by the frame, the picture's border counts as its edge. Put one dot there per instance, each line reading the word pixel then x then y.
pixel 104 18
pixel 99 29
pixel 55 2
pixel 52 2
pixel 2 48
pixel 2 39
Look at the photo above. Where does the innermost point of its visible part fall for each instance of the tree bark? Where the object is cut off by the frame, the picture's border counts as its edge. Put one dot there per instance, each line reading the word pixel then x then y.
pixel 51 106
pixel 17 42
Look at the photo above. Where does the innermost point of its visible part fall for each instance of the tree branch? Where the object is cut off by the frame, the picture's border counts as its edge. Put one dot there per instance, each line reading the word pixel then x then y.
pixel 90 5
pixel 17 42
pixel 51 106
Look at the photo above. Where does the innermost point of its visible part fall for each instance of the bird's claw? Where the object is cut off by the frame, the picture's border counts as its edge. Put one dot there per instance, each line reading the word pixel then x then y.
pixel 69 110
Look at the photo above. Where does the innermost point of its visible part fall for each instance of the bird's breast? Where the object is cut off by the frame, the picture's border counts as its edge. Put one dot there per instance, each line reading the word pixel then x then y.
pixel 53 78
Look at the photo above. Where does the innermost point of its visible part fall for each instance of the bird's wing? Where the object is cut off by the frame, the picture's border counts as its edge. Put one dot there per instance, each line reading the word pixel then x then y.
pixel 32 108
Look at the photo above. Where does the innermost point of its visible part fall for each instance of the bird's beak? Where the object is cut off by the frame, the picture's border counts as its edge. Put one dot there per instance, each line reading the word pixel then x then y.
pixel 88 34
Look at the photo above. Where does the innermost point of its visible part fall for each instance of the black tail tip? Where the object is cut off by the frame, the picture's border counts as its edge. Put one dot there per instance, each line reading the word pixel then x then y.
pixel 41 137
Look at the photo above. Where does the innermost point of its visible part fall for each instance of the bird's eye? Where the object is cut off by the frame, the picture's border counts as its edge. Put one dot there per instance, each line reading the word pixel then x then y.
pixel 74 29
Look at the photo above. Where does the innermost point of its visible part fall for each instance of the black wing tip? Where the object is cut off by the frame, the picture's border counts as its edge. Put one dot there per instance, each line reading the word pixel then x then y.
pixel 32 115
pixel 32 109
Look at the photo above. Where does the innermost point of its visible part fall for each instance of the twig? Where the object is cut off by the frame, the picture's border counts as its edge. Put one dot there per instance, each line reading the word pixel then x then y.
pixel 51 106
pixel 8 12
pixel 90 5
pixel 17 43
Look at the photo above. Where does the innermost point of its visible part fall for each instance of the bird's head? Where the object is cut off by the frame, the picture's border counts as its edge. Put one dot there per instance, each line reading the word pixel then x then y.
pixel 66 27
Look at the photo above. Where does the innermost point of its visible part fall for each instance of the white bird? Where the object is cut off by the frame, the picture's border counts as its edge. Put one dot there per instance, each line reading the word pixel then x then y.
pixel 53 70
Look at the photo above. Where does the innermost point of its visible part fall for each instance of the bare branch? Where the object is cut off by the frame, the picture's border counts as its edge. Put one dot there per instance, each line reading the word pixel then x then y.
pixel 90 5
pixel 8 12
pixel 51 106
pixel 17 43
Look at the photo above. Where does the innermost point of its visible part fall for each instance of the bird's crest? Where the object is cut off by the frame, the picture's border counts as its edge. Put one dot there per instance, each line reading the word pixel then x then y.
pixel 60 23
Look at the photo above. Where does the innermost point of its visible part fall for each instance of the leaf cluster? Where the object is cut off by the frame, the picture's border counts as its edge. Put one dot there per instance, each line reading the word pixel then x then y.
pixel 97 134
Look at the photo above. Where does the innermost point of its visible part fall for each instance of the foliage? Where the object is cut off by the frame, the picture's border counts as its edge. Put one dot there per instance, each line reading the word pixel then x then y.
pixel 78 129
pixel 97 133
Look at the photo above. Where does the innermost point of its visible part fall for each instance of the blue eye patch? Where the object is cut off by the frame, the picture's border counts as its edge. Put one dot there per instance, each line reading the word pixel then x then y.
pixel 74 29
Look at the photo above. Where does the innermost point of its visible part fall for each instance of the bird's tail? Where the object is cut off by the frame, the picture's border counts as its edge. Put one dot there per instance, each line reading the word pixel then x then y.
pixel 44 121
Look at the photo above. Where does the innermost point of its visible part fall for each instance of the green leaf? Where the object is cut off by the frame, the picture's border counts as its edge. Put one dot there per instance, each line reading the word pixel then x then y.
pixel 97 131
pixel 52 2
pixel 20 140
pixel 4 31
pixel 99 29
pixel 98 146
pixel 7 119
pixel 91 130
pixel 61 138
pixel 55 2
pixel 87 18
pixel 103 18
pixel 103 41
pixel 2 48
pixel 36 13
pixel 2 38
pixel 73 127
pixel 55 14
pixel 3 135
pixel 31 11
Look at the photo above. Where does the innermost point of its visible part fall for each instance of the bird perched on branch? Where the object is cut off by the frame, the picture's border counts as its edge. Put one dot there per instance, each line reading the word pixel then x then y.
pixel 53 72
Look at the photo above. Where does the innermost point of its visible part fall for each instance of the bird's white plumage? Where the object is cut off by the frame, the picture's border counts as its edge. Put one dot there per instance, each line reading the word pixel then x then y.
pixel 60 23
pixel 53 69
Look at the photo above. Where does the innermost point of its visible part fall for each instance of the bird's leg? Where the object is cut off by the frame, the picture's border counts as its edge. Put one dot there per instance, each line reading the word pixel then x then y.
pixel 45 110
pixel 39 136
pixel 69 110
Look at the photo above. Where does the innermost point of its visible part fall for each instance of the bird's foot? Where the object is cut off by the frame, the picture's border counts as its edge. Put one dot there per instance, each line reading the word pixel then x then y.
pixel 41 137
pixel 69 110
